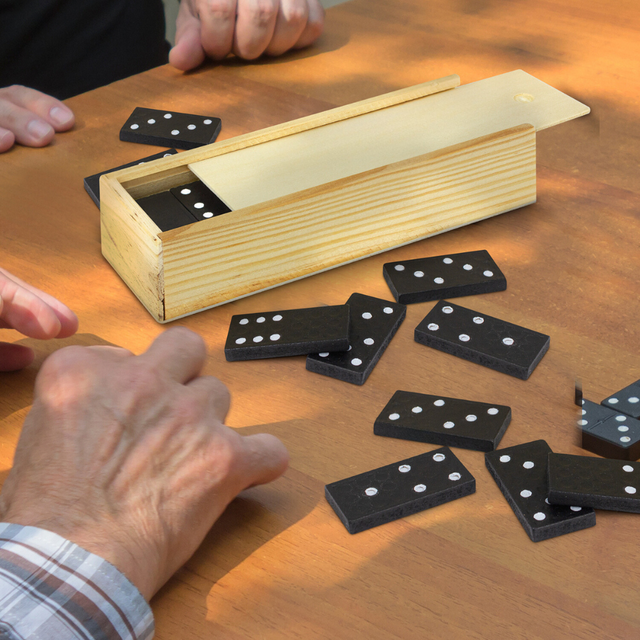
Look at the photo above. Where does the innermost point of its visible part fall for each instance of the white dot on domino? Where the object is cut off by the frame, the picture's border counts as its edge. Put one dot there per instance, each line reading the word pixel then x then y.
pixel 487 273
pixel 628 468
pixel 207 214
pixel 135 126
pixel 630 490
pixel 449 425
pixel 369 341
pixel 241 340
pixel 492 412
pixel 439 457
pixel 471 418
pixel 404 468
pixel 539 516
pixel 244 321
pixel 508 341
pixel 371 491
pixel 258 339
pixel 399 267
pixel 447 309
pixel 367 316
pixel 633 400
pixel 417 410
pixel 613 400
pixel 261 319
pixel 388 310
pixel 277 318
pixel 274 337
pixel 528 464
pixel 419 488
pixel 191 127
pixel 463 337
pixel 447 260
pixel 175 132
pixel 168 116
pixel 467 267
pixel 185 192
pixel 432 326
pixel 505 458
pixel 439 280
pixel 207 121
pixel 356 362
pixel 454 476
pixel 525 493
pixel 439 403
pixel 418 274
pixel 394 416
pixel 478 320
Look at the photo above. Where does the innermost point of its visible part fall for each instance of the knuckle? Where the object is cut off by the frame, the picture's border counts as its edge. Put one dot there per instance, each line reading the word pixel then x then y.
pixel 297 15
pixel 263 12
pixel 64 377
pixel 221 9
pixel 223 455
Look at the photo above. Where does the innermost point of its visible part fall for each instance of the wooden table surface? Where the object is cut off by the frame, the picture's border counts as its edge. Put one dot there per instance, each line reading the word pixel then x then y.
pixel 279 564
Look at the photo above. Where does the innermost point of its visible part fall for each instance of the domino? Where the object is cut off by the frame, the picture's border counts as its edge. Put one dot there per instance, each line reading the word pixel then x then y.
pixel 166 211
pixel 594 482
pixel 92 183
pixel 626 400
pixel 200 201
pixel 398 490
pixel 521 474
pixel 608 433
pixel 170 128
pixel 373 324
pixel 448 276
pixel 444 421
pixel 293 332
pixel 482 339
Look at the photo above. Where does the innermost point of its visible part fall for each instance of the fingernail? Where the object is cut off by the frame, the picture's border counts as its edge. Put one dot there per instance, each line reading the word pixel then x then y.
pixel 39 129
pixel 60 115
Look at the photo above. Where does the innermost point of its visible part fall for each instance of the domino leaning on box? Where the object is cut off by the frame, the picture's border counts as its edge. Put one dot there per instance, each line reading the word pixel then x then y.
pixel 90 528
pixel 60 48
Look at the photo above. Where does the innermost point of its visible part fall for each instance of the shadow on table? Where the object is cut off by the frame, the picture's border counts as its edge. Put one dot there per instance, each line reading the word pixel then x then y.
pixel 252 520
pixel 16 387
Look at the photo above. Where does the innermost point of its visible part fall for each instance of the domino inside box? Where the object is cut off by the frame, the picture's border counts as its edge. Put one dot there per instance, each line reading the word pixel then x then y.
pixel 329 189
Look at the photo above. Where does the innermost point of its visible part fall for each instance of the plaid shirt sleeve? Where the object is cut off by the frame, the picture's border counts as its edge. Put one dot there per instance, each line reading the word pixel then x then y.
pixel 52 588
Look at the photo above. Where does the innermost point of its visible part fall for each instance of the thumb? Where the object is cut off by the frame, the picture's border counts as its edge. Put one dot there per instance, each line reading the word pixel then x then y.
pixel 266 459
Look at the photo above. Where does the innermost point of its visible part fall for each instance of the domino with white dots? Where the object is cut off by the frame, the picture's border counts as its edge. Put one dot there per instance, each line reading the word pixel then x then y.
pixel 373 324
pixel 448 276
pixel 626 400
pixel 92 183
pixel 445 421
pixel 483 339
pixel 521 474
pixel 608 433
pixel 293 332
pixel 170 128
pixel 594 482
pixel 398 490
pixel 199 200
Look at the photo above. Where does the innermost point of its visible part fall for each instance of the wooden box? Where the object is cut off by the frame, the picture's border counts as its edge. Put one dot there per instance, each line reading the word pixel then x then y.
pixel 328 189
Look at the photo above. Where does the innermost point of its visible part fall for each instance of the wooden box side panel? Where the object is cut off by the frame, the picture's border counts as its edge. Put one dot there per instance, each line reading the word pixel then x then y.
pixel 131 245
pixel 263 246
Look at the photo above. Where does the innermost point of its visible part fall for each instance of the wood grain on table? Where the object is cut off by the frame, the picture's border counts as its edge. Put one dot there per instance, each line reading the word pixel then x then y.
pixel 279 564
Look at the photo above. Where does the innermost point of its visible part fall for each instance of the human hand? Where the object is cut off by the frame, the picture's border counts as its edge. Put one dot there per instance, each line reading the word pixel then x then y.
pixel 32 312
pixel 248 28
pixel 30 117
pixel 127 456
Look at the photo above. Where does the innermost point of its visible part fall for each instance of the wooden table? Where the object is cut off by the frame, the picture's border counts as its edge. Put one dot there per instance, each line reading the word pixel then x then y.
pixel 279 564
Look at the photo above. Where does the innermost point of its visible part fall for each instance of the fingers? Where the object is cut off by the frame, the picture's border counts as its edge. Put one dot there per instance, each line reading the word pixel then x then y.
pixel 218 25
pixel 30 117
pixel 178 353
pixel 290 23
pixel 188 52
pixel 33 312
pixel 255 25
pixel 265 459
pixel 14 357
pixel 215 394
pixel 314 27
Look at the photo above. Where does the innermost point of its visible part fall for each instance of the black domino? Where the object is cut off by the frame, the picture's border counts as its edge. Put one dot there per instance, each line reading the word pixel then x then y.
pixel 594 482
pixel 293 332
pixel 201 202
pixel 373 324
pixel 170 128
pixel 626 400
pixel 521 474
pixel 447 276
pixel 400 489
pixel 446 421
pixel 609 433
pixel 92 183
pixel 480 338
pixel 166 211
